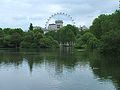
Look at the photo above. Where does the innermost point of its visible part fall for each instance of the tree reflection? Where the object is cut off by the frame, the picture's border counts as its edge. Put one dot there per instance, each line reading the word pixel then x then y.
pixel 56 60
pixel 106 67
pixel 11 58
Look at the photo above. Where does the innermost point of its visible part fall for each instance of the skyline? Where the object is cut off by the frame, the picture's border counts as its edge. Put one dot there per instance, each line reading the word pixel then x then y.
pixel 19 14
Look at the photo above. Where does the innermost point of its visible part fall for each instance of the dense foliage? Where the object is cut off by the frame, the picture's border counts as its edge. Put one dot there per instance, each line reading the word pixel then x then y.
pixel 87 40
pixel 107 29
pixel 10 37
pixel 17 38
pixel 104 34
pixel 66 35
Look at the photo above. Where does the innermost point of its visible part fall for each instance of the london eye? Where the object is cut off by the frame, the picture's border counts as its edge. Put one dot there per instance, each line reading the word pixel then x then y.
pixel 60 16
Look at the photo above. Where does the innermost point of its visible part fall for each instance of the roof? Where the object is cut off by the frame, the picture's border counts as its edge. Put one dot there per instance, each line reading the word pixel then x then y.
pixel 59 21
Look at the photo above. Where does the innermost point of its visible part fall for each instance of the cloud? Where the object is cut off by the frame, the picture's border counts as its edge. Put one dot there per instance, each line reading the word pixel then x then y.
pixel 19 13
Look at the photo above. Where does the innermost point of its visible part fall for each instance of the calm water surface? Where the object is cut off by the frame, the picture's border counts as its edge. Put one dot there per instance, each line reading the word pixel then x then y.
pixel 63 69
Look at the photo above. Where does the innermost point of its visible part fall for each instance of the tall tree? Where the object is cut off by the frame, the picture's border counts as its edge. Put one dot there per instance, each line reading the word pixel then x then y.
pixel 31 27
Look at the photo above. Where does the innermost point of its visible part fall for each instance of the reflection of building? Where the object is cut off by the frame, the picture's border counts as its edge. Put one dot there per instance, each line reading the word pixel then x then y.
pixel 58 24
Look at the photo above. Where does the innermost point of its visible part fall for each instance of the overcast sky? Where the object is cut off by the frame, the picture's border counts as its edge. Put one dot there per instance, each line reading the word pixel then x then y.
pixel 19 13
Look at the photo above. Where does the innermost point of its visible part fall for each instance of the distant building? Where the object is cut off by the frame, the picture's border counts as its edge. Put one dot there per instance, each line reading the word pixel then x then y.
pixel 83 28
pixel 58 24
pixel 52 27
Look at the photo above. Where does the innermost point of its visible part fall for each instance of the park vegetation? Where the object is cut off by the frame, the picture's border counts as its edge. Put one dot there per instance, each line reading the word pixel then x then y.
pixel 103 35
pixel 33 38
pixel 65 36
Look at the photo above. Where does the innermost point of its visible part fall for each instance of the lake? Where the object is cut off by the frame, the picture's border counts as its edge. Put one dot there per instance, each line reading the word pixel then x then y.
pixel 58 69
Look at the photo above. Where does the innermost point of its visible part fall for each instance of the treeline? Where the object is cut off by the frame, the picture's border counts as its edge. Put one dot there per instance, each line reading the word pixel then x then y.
pixel 65 35
pixel 33 38
pixel 104 34
pixel 36 38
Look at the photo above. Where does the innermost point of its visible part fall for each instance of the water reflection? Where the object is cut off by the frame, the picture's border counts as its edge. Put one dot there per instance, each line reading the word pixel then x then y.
pixel 60 63
pixel 107 67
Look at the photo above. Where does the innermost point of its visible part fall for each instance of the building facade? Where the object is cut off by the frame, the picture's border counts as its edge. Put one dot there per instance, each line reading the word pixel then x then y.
pixel 52 27
pixel 58 24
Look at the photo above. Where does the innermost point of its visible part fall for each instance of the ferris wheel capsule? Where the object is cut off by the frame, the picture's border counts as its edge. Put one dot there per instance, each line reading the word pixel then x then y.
pixel 50 17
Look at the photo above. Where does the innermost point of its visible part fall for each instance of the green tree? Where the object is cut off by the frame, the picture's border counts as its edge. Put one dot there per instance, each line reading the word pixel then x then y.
pixel 52 34
pixel 6 41
pixel 74 29
pixel 37 38
pixel 96 28
pixel 48 42
pixel 12 37
pixel 1 37
pixel 25 44
pixel 111 42
pixel 70 37
pixel 106 28
pixel 27 40
pixel 105 23
pixel 38 30
pixel 31 27
pixel 16 39
pixel 88 40
pixel 67 34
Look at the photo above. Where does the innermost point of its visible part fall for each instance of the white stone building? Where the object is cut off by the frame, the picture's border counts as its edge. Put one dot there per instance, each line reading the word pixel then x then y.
pixel 58 24
pixel 52 27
